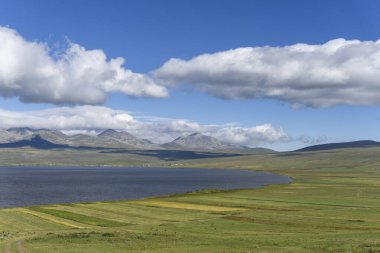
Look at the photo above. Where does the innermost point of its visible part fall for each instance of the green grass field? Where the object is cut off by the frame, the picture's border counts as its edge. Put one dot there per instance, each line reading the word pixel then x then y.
pixel 333 205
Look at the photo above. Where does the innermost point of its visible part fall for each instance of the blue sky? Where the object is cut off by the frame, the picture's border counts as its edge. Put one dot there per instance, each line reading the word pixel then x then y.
pixel 149 33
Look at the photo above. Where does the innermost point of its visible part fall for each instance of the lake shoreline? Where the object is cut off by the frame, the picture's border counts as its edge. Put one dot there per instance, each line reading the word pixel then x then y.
pixel 164 182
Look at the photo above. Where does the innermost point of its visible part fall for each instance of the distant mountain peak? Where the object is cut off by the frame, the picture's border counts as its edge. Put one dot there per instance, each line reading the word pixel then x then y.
pixel 111 133
pixel 200 141
pixel 108 131
pixel 197 134
pixel 21 130
pixel 191 136
pixel 124 137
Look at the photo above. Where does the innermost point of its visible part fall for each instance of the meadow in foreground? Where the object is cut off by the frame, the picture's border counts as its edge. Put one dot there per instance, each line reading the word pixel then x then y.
pixel 333 205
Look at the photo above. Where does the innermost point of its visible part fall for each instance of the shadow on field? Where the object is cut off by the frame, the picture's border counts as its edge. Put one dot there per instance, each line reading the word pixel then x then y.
pixel 173 155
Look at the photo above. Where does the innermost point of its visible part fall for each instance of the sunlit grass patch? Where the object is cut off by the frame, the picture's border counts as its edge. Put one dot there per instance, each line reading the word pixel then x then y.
pixel 84 219
pixel 181 205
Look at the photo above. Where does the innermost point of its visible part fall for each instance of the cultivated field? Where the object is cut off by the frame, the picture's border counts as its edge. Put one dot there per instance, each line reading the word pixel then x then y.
pixel 333 205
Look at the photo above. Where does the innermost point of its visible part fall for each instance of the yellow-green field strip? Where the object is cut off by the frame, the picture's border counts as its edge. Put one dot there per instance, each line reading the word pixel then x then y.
pixel 49 218
pixel 181 205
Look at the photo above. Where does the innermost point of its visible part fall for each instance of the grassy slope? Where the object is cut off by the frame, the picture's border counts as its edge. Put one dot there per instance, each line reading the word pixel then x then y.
pixel 332 206
pixel 30 156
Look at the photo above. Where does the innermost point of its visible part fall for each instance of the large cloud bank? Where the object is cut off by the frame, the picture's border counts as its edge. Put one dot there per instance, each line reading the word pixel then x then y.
pixel 32 72
pixel 337 72
pixel 92 119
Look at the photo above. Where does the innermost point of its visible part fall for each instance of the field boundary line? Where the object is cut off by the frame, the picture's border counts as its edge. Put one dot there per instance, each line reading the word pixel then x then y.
pixel 49 218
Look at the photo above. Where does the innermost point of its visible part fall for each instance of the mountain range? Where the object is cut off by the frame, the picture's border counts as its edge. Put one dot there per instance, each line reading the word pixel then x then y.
pixel 38 138
pixel 45 138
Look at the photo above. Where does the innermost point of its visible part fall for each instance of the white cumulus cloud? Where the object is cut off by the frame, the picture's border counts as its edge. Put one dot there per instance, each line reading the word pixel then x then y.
pixel 261 134
pixel 68 118
pixel 32 72
pixel 337 72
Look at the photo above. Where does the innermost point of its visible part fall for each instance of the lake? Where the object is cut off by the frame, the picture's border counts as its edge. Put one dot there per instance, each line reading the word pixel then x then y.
pixel 25 186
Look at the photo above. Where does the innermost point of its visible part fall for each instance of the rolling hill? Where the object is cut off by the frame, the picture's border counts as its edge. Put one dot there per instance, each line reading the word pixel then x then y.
pixel 341 145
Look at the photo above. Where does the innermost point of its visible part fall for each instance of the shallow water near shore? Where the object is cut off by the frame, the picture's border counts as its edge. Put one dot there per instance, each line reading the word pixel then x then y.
pixel 26 186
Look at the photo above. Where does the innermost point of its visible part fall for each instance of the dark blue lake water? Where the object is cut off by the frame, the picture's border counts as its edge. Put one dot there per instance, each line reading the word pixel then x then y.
pixel 25 186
